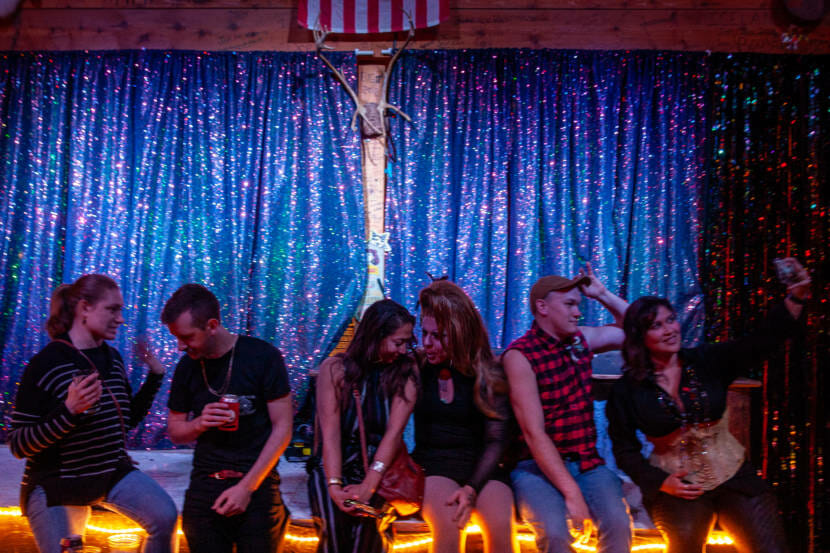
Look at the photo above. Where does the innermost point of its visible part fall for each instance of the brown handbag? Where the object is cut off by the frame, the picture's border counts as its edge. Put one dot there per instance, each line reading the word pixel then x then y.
pixel 402 483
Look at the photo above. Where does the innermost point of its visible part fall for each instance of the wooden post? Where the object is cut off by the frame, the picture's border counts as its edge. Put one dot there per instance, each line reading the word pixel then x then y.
pixel 373 160
pixel 370 79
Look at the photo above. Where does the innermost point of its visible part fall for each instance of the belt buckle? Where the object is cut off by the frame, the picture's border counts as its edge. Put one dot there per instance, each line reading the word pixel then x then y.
pixel 225 474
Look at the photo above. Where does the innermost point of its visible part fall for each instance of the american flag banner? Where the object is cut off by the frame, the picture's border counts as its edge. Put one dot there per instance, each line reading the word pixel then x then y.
pixel 371 16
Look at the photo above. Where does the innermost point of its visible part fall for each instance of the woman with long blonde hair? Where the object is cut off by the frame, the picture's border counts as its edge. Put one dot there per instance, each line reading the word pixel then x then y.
pixel 461 424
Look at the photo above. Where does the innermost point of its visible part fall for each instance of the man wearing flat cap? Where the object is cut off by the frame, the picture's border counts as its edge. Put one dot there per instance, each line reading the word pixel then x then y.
pixel 560 475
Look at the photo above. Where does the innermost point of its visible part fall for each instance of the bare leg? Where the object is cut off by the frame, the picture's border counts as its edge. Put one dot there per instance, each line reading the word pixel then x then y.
pixel 494 513
pixel 446 536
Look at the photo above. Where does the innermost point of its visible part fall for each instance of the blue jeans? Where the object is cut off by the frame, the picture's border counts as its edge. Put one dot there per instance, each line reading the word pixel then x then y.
pixel 541 505
pixel 136 496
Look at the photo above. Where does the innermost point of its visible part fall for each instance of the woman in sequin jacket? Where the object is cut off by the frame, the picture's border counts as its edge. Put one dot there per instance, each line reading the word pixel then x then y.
pixel 676 396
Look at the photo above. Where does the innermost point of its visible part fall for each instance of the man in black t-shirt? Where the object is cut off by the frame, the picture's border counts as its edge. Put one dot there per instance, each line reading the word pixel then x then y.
pixel 234 496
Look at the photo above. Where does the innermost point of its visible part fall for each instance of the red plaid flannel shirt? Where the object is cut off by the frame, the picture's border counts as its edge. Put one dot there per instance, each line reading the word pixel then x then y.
pixel 563 375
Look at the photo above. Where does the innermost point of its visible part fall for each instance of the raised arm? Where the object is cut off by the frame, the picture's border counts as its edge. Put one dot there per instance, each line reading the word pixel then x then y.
pixel 524 397
pixel 799 291
pixel 141 402
pixel 608 337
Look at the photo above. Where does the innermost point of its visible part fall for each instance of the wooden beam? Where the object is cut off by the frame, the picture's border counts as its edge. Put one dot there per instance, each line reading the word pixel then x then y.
pixel 716 30
pixel 455 4
pixel 370 79
pixel 611 4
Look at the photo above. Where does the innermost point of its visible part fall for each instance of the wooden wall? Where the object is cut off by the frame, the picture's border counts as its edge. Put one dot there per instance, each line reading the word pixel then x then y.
pixel 695 25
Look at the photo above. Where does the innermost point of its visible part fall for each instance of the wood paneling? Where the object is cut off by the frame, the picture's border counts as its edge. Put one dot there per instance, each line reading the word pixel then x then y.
pixel 696 25
pixel 455 4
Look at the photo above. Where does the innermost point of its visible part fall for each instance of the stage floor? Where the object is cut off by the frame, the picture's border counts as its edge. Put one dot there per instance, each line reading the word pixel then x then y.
pixel 171 469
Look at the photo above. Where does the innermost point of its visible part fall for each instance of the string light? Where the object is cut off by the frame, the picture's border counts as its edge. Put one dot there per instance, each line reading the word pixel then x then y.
pixel 715 537
pixel 402 546
pixel 719 538
pixel 649 547
pixel 116 530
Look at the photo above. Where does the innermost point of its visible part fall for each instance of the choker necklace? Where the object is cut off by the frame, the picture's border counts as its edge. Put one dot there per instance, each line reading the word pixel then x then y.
pixel 446 390
pixel 219 393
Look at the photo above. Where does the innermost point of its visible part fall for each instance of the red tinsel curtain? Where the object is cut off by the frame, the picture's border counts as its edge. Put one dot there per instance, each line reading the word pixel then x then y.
pixel 768 197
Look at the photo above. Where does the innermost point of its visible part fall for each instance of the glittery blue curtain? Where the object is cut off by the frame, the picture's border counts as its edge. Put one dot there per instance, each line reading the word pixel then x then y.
pixel 236 170
pixel 525 163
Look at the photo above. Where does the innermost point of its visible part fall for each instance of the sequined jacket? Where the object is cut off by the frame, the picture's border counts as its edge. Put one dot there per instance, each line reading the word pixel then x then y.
pixel 636 405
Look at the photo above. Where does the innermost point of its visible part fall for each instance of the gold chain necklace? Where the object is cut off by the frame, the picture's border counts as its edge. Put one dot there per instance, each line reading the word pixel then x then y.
pixel 227 382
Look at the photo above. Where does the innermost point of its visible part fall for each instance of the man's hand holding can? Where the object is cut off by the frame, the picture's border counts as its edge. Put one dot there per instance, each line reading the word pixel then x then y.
pixel 232 403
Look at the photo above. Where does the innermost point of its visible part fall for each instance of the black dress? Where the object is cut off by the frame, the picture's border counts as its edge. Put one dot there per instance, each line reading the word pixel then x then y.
pixel 456 440
pixel 346 533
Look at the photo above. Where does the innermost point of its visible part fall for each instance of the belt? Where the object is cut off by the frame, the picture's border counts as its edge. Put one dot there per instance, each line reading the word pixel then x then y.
pixel 225 474
pixel 573 457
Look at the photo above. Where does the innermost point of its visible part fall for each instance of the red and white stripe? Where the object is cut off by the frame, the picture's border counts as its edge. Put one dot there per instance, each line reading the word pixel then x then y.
pixel 371 16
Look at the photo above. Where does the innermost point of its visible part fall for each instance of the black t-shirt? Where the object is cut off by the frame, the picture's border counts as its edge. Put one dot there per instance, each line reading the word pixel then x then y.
pixel 258 376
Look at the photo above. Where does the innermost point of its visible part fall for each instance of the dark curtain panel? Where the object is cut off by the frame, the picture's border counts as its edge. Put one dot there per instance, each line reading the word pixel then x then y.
pixel 768 197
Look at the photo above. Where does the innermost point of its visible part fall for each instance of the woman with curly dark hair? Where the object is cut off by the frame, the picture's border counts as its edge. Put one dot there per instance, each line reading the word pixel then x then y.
pixel 378 366
pixel 676 396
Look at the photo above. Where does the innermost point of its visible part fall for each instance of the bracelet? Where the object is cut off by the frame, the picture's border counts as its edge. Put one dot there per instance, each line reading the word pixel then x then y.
pixel 378 466
pixel 334 482
pixel 796 300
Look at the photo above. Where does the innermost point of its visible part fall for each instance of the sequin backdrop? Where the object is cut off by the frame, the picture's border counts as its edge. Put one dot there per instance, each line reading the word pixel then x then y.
pixel 677 174
pixel 237 170
pixel 524 163
pixel 768 197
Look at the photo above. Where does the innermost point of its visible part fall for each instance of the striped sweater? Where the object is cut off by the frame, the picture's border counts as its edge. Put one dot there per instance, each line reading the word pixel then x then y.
pixel 75 458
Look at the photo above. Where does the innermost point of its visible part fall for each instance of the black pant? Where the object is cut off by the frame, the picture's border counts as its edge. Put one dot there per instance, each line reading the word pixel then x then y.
pixel 751 521
pixel 342 533
pixel 259 529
